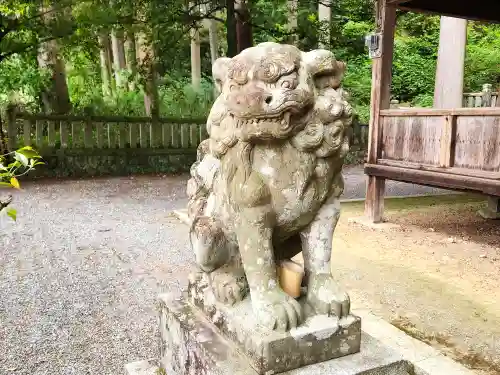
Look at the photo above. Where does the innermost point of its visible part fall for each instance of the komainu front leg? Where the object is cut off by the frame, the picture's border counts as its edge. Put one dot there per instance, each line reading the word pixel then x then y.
pixel 229 284
pixel 323 293
pixel 274 308
pixel 218 258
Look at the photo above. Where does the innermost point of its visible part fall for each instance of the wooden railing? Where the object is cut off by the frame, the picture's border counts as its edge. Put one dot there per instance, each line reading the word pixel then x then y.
pixel 104 145
pixel 485 98
pixel 450 148
pixel 102 132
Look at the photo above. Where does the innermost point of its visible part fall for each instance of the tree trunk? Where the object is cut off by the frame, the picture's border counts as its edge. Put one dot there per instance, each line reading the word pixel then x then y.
pixel 325 17
pixel 55 97
pixel 243 25
pixel 214 42
pixel 119 61
pixel 231 38
pixel 147 60
pixel 131 57
pixel 106 68
pixel 292 8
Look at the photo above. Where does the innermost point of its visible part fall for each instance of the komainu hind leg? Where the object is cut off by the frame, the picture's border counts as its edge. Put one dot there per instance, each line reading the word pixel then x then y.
pixel 220 259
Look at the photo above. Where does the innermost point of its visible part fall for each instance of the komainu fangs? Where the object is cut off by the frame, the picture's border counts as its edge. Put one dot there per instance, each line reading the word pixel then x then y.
pixel 266 182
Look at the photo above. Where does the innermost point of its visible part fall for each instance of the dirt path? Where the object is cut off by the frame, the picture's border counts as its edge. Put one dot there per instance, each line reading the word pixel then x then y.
pixel 81 268
pixel 436 276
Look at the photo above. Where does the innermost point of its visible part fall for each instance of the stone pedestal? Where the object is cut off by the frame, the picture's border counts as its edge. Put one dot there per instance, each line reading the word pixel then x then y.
pixel 492 211
pixel 319 338
pixel 193 345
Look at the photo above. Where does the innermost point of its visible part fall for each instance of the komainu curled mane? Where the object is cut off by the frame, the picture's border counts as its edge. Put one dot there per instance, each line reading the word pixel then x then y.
pixel 266 182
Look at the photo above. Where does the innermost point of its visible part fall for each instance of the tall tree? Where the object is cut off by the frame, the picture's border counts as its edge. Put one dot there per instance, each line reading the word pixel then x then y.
pixel 131 57
pixel 119 60
pixel 195 52
pixel 231 35
pixel 106 64
pixel 292 9
pixel 244 34
pixel 55 96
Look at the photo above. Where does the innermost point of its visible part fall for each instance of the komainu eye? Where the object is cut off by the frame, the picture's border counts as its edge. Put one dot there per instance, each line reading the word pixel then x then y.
pixel 233 87
pixel 286 84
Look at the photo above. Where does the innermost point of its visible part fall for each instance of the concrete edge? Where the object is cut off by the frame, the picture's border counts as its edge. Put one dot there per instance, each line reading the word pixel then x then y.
pixel 426 359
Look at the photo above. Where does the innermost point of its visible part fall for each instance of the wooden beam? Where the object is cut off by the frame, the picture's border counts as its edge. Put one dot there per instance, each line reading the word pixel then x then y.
pixel 397 2
pixel 435 179
pixel 493 18
pixel 408 112
pixel 380 99
pixel 432 168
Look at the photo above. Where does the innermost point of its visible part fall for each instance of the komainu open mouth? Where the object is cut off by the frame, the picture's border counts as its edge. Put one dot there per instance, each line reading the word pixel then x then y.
pixel 282 120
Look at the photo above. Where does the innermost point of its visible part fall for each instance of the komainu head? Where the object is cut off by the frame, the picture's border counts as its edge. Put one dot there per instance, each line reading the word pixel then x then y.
pixel 272 92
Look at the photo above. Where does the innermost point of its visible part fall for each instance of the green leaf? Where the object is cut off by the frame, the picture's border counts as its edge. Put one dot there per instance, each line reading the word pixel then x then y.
pixel 29 153
pixel 15 164
pixel 12 213
pixel 15 183
pixel 21 158
pixel 26 148
pixel 5 184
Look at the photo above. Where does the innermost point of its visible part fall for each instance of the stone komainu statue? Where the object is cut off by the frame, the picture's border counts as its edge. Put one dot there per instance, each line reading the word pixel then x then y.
pixel 266 182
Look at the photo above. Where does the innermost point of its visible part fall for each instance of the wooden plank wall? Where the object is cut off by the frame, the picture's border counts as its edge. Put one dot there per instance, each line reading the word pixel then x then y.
pixel 478 143
pixel 412 139
pixel 467 139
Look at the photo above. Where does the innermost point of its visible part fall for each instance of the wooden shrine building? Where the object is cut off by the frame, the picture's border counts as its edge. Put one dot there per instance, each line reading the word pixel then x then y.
pixel 453 148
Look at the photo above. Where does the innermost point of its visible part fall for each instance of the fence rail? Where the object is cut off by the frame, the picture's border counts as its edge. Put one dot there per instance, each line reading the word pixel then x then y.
pixel 103 132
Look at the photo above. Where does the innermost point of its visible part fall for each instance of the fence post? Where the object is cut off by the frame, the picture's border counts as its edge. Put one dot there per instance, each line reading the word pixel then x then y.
pixel 487 95
pixel 11 127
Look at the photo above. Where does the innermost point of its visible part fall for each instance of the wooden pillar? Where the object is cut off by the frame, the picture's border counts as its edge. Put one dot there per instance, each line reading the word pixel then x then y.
pixel 380 99
pixel 448 92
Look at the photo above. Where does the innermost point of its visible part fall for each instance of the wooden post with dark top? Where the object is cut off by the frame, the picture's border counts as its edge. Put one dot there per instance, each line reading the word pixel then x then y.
pixel 380 100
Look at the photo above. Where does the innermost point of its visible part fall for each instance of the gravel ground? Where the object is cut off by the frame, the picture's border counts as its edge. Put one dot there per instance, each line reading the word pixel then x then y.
pixel 80 270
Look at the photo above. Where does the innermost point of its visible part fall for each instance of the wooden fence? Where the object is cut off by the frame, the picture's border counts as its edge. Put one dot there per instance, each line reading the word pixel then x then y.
pixel 94 145
pixel 102 132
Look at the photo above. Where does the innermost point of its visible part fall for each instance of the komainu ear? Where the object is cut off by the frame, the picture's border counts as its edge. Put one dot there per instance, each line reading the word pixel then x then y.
pixel 219 71
pixel 325 69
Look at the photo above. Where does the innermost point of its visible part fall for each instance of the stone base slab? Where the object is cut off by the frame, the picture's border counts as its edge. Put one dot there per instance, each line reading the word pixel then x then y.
pixel 320 338
pixel 385 350
pixel 191 345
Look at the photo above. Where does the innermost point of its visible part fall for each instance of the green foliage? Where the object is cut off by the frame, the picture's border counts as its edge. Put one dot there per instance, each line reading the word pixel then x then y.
pixel 12 166
pixel 165 25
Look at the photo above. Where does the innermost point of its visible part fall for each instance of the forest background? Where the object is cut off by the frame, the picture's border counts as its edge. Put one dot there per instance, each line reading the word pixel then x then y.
pixel 133 57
